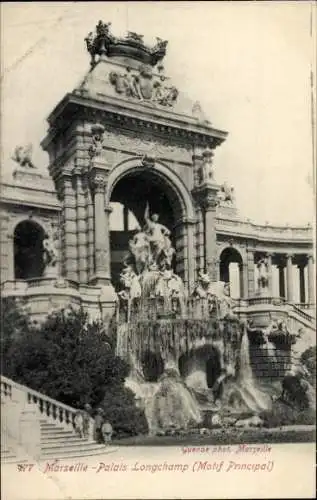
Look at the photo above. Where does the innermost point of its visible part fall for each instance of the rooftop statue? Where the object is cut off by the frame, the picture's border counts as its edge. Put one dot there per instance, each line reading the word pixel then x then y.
pixel 226 194
pixel 102 43
pixel 23 156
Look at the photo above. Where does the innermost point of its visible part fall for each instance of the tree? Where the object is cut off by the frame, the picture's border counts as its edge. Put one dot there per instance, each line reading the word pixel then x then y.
pixel 67 358
pixel 308 358
pixel 119 408
pixel 14 323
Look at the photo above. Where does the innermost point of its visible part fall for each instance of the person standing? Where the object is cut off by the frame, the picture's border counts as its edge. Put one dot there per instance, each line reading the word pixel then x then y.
pixel 99 420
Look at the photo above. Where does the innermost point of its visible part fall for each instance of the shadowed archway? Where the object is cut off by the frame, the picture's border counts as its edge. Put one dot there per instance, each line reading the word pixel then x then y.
pixel 28 250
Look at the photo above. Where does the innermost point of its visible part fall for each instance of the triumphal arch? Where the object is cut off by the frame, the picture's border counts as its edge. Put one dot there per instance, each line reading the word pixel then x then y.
pixel 127 137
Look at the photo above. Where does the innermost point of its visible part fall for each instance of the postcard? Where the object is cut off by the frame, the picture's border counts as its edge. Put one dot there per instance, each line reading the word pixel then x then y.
pixel 158 250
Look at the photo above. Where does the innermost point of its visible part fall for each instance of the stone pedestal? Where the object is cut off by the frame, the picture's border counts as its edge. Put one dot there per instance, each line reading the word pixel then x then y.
pixel 30 431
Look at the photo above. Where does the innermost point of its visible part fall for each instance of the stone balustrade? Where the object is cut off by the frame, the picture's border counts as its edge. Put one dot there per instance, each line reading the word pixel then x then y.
pixel 247 228
pixel 276 302
pixel 21 396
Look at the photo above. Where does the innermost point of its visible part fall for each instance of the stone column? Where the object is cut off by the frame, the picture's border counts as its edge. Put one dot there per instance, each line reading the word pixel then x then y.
pixel 102 273
pixel 311 279
pixel 289 278
pixel 245 281
pixel 269 273
pixel 185 227
pixel 302 298
pixel 250 269
pixel 281 280
pixel 206 196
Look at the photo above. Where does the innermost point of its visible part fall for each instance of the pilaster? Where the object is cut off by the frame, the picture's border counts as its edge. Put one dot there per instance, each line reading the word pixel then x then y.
pixel 206 196
pixel 98 183
pixel 250 271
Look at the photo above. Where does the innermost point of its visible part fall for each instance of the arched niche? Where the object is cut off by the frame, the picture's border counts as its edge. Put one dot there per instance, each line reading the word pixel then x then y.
pixel 28 250
pixel 231 269
pixel 133 186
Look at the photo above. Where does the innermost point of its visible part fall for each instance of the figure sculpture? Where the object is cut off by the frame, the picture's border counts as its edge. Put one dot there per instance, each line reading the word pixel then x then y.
pixel 226 194
pixel 22 155
pixel 262 266
pixel 158 236
pixel 50 255
pixel 139 246
pixel 207 166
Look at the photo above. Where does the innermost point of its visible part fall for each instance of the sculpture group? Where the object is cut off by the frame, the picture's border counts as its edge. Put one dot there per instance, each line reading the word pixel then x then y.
pixel 147 271
pixel 143 85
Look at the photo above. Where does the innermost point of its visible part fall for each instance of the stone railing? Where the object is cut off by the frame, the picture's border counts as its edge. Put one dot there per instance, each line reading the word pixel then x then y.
pixel 23 285
pixel 265 231
pixel 276 301
pixel 52 410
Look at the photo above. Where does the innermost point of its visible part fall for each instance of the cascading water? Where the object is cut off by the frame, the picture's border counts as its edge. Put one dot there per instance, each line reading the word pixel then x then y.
pixel 243 393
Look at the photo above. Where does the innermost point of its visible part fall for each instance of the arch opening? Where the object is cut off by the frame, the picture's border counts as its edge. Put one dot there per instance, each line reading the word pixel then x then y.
pixel 152 365
pixel 130 195
pixel 28 250
pixel 201 367
pixel 231 271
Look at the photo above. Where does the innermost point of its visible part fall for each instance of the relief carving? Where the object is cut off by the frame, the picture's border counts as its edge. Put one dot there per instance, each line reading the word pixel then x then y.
pixel 143 85
pixel 156 148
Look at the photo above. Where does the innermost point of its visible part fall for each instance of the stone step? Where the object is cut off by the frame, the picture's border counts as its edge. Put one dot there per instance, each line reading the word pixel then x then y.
pixel 59 439
pixel 55 426
pixel 57 433
pixel 77 453
pixel 70 446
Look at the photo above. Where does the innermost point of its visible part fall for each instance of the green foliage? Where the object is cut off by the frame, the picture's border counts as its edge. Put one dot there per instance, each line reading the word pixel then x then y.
pixel 14 324
pixel 283 414
pixel 70 360
pixel 119 409
pixel 308 358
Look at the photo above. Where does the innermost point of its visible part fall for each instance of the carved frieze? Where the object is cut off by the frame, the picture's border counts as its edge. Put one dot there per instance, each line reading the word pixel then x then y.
pixel 159 148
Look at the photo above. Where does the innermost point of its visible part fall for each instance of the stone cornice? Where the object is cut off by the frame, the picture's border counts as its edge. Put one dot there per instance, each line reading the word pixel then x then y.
pixel 122 112
pixel 259 233
pixel 11 194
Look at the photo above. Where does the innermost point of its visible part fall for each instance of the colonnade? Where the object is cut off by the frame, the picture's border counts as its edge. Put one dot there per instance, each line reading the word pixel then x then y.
pixel 282 281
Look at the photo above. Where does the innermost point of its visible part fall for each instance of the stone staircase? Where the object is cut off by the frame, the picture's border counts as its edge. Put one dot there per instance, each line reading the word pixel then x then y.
pixel 57 442
pixel 34 425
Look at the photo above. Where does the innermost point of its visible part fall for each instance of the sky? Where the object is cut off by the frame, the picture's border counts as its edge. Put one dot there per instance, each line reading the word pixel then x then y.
pixel 248 63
